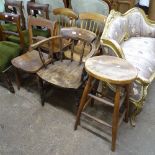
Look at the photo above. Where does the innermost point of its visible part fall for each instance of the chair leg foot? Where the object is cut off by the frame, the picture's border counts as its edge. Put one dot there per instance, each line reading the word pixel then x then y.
pixel 18 81
pixel 9 83
pixel 41 88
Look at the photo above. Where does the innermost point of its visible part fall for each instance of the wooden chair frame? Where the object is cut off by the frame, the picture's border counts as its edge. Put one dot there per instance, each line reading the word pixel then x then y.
pixel 74 34
pixel 13 18
pixel 15 5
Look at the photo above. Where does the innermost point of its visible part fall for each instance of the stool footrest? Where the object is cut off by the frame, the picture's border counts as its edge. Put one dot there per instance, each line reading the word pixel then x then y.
pixel 101 100
pixel 96 119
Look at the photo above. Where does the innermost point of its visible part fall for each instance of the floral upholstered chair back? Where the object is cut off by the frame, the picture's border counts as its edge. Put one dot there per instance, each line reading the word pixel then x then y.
pixel 131 24
pixel 120 27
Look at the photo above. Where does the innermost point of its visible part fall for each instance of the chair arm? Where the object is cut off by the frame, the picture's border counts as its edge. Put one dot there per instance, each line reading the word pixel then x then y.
pixel 92 52
pixel 116 48
pixel 39 43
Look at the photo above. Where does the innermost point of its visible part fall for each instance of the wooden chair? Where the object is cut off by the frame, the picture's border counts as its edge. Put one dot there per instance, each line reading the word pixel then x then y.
pixel 33 60
pixel 66 73
pixel 93 22
pixel 8 49
pixel 64 17
pixel 15 7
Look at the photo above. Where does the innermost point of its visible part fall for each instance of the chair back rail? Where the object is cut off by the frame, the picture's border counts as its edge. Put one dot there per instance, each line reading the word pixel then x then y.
pixel 15 19
pixel 93 22
pixel 75 35
pixel 33 22
pixel 35 9
pixel 16 7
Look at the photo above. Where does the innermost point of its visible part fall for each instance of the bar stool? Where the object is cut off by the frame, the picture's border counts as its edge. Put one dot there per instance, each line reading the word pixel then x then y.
pixel 115 71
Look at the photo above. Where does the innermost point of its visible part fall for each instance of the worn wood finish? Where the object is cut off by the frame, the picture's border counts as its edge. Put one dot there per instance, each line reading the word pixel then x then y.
pixel 108 69
pixel 67 73
pixel 16 7
pixel 119 70
pixel 33 60
pixel 35 9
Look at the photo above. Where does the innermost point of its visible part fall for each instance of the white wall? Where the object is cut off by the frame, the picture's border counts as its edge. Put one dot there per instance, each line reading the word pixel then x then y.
pixel 1 5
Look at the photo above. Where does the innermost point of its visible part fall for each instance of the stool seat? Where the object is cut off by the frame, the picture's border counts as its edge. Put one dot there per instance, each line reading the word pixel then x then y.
pixel 111 69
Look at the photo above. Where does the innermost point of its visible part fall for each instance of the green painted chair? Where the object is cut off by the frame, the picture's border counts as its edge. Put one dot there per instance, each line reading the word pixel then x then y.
pixel 8 49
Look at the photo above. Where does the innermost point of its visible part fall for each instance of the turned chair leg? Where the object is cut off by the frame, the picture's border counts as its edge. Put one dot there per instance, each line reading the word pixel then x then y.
pixel 41 88
pixel 83 101
pixel 115 118
pixel 18 80
pixel 9 83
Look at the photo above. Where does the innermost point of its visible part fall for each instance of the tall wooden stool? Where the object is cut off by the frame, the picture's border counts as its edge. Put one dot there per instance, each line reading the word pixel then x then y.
pixel 115 71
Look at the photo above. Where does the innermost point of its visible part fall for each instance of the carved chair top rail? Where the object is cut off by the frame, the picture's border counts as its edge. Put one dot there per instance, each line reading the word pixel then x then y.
pixel 17 7
pixel 43 8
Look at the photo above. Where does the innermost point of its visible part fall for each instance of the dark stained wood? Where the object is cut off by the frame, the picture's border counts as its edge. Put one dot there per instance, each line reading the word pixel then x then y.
pixel 37 8
pixel 17 8
pixel 15 19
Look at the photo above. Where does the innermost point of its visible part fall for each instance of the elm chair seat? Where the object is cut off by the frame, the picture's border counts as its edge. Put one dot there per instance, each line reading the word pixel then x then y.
pixel 64 73
pixel 30 61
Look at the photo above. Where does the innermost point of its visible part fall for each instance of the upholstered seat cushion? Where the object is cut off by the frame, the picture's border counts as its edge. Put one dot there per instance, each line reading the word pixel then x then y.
pixel 10 27
pixel 16 39
pixel 8 51
pixel 65 74
pixel 140 52
pixel 36 32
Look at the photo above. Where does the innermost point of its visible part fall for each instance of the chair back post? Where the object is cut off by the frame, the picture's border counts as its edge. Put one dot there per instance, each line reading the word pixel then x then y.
pixel 36 8
pixel 16 6
pixel 32 22
pixel 12 18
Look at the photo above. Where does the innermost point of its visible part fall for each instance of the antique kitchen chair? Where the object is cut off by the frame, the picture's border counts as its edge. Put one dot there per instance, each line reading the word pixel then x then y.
pixel 33 60
pixel 66 73
pixel 64 17
pixel 15 7
pixel 8 49
pixel 93 22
